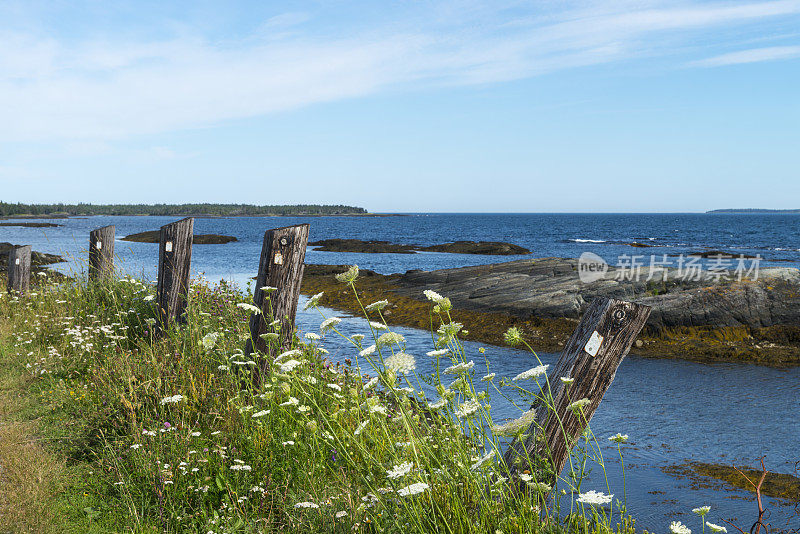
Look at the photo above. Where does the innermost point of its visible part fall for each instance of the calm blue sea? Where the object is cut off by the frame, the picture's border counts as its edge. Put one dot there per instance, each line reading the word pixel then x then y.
pixel 674 411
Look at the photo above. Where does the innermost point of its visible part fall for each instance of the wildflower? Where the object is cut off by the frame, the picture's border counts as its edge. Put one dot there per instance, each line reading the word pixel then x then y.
pixel 361 428
pixel 270 336
pixel 401 362
pixel 578 405
pixel 241 467
pixel 172 400
pixel 148 298
pixel 716 528
pixel 312 336
pixel 702 511
pixel 349 275
pixel 288 353
pixel 371 383
pixel 378 409
pixel 249 307
pixel 468 408
pixel 488 377
pixel 357 337
pixel 195 434
pixel 285 443
pixel 378 326
pixel 513 336
pixel 515 426
pixel 341 514
pixel 313 301
pixel 594 497
pixel 262 413
pixel 150 433
pixel 291 402
pixel 389 338
pixel 437 353
pixel 541 487
pixel 306 505
pixel 335 387
pixel 483 459
pixel 329 324
pixel 566 380
pixel 376 306
pixel 289 365
pixel 431 295
pixel 136 446
pixel 399 471
pixel 536 372
pixel 413 489
pixel 368 351
pixel 459 368
pixel 438 404
pixel 209 340
pixel 619 438
pixel 676 527
pixel 269 289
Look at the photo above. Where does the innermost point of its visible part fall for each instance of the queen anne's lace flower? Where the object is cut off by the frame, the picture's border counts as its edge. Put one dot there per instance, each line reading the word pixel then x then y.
pixel 413 489
pixel 329 324
pixel 390 338
pixel 437 353
pixel 515 426
pixel 249 307
pixel 313 301
pixel 171 400
pixel 701 511
pixel 594 497
pixel 289 365
pixel 536 372
pixel 676 527
pixel 209 340
pixel 432 295
pixel 622 438
pixel 306 505
pixel 460 367
pixel 375 306
pixel 578 405
pixel 468 408
pixel 349 275
pixel 399 471
pixel 368 351
pixel 716 528
pixel 401 362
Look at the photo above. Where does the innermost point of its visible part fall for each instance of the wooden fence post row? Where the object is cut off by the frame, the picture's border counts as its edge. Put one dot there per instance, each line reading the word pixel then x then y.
pixel 174 260
pixel 281 266
pixel 591 357
pixel 19 269
pixel 101 252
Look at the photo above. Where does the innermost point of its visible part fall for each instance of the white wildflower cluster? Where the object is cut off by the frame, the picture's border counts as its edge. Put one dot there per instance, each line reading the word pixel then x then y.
pixel 175 399
pixel 313 301
pixel 249 307
pixel 459 368
pixel 593 497
pixel 377 306
pixel 536 372
pixel 399 471
pixel 467 408
pixel 623 438
pixel 390 338
pixel 578 405
pixel 401 362
pixel 515 426
pixel 329 324
pixel 676 527
pixel 413 489
pixel 350 275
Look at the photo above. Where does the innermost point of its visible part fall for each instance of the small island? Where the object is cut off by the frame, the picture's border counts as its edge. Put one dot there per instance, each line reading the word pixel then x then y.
pixel 153 236
pixel 492 248
pixel 32 224
pixel 752 210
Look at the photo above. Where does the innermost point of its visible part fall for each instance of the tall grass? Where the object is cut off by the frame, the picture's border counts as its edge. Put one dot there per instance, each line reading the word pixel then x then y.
pixel 177 437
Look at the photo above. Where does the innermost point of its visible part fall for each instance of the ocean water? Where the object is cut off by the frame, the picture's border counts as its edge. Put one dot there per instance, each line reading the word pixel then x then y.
pixel 675 411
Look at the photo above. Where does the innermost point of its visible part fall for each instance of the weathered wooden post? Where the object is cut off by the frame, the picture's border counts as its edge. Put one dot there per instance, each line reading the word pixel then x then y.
pixel 19 269
pixel 590 358
pixel 174 259
pixel 101 252
pixel 281 266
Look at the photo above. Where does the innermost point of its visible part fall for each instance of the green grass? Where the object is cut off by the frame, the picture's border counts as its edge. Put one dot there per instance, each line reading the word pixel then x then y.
pixel 147 433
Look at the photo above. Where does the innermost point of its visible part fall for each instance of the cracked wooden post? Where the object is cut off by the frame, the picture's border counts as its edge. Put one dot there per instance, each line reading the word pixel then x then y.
pixel 19 269
pixel 591 357
pixel 281 266
pixel 101 252
pixel 174 260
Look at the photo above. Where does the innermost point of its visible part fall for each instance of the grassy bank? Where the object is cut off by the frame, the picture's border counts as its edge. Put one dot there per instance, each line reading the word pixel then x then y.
pixel 107 427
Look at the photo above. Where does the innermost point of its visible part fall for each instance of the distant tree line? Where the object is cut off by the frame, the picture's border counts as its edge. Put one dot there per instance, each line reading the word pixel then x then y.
pixel 227 210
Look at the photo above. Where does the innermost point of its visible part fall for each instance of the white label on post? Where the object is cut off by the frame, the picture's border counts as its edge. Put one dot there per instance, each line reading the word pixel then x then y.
pixel 168 246
pixel 593 345
pixel 99 245
pixel 278 260
pixel 16 262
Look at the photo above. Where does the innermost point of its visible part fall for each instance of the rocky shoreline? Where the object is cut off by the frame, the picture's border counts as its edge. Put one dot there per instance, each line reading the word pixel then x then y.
pixel 705 320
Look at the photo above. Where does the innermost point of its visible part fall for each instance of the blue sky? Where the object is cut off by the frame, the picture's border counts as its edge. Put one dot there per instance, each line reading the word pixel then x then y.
pixel 465 106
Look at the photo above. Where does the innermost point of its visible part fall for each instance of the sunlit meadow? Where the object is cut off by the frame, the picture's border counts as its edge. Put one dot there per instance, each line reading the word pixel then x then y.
pixel 176 434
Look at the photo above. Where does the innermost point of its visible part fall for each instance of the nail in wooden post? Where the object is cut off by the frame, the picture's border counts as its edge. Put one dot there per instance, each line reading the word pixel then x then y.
pixel 174 260
pixel 281 266
pixel 19 269
pixel 591 357
pixel 101 252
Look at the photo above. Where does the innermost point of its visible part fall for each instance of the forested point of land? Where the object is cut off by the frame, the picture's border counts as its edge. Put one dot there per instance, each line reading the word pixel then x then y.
pixel 224 210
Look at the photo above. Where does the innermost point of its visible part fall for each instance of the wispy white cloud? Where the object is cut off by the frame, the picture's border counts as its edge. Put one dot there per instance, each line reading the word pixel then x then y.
pixel 754 55
pixel 114 88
